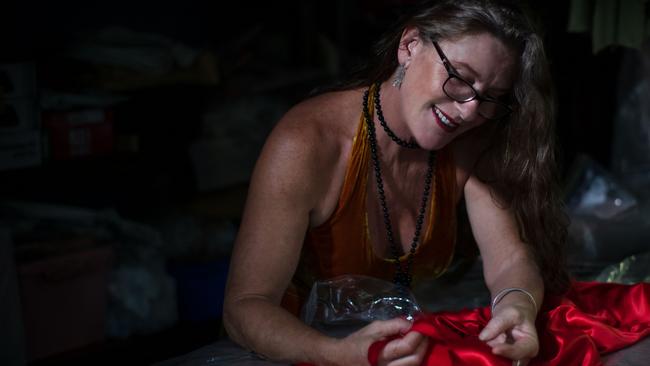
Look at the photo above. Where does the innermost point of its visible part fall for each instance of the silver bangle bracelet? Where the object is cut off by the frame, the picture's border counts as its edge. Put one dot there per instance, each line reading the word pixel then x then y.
pixel 508 290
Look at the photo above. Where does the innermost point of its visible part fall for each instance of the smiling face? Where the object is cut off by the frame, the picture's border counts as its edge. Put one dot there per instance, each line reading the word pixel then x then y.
pixel 430 115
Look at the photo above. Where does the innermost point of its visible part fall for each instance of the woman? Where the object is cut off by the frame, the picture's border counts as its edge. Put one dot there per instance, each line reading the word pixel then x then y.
pixel 366 180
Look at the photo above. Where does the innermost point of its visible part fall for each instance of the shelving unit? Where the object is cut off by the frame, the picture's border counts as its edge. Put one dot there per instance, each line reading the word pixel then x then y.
pixel 264 52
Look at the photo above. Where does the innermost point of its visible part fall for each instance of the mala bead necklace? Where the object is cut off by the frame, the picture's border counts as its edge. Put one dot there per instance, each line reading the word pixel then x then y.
pixel 382 121
pixel 402 272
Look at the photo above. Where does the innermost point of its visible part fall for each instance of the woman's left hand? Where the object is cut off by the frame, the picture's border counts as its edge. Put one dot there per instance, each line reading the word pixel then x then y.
pixel 511 333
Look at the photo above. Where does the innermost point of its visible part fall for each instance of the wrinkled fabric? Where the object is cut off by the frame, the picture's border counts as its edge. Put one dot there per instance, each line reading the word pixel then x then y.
pixel 342 245
pixel 591 320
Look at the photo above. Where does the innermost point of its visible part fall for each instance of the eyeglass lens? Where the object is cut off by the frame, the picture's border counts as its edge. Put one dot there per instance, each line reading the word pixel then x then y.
pixel 461 91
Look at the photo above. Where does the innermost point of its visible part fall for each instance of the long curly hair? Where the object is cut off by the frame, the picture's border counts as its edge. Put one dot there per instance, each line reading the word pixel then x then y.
pixel 522 152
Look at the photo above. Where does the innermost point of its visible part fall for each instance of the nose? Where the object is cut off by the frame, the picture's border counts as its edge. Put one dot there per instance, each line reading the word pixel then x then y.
pixel 468 110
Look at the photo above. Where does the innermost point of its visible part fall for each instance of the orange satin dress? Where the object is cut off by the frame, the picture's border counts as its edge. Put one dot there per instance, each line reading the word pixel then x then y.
pixel 342 244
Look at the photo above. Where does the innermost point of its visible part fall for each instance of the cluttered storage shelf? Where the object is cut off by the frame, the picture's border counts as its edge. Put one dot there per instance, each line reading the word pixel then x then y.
pixel 125 154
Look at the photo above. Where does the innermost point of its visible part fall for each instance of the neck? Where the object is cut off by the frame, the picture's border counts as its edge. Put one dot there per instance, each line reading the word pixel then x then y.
pixel 391 151
pixel 392 155
pixel 391 105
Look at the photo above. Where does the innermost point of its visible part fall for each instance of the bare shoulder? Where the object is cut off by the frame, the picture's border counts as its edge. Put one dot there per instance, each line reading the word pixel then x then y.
pixel 308 147
pixel 325 116
pixel 318 128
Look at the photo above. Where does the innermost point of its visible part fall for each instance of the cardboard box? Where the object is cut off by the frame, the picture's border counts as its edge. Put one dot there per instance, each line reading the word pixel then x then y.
pixel 64 300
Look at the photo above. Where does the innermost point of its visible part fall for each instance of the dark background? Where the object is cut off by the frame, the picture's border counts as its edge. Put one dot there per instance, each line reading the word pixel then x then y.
pixel 268 51
pixel 258 43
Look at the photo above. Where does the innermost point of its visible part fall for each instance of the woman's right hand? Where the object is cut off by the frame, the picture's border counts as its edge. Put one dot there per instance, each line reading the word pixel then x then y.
pixel 403 351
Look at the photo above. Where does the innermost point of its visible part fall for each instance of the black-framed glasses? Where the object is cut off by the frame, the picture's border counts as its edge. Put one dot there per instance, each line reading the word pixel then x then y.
pixel 462 91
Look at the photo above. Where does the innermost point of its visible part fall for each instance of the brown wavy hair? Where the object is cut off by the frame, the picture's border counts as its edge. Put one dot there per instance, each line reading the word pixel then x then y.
pixel 522 152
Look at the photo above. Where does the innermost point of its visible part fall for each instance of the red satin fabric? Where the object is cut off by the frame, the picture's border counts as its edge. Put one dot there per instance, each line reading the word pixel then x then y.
pixel 591 320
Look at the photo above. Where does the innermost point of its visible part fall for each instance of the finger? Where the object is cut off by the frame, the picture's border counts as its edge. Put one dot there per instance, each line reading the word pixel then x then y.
pixel 497 325
pixel 404 346
pixel 413 359
pixel 514 353
pixel 384 328
pixel 501 338
pixel 520 350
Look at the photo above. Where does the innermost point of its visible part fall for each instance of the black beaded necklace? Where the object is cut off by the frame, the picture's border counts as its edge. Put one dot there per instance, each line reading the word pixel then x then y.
pixel 402 275
pixel 382 121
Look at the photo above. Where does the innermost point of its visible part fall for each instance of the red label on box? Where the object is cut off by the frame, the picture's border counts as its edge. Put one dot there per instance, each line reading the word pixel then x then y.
pixel 82 133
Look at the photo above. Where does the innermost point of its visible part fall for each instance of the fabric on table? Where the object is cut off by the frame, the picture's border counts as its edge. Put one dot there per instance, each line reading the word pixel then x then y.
pixel 591 320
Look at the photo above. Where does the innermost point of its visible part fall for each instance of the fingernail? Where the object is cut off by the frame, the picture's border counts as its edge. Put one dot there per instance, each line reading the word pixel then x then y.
pixel 408 326
pixel 481 336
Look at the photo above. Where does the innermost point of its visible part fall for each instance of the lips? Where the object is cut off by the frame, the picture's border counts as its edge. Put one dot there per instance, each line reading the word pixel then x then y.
pixel 444 121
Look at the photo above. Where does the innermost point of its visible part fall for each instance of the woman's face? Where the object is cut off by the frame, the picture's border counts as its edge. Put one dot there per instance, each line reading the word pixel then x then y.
pixel 434 119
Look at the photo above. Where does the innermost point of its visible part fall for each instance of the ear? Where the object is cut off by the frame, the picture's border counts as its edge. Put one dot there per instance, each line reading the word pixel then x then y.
pixel 409 45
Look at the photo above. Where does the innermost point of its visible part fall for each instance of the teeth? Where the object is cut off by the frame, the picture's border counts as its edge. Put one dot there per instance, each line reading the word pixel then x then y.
pixel 443 118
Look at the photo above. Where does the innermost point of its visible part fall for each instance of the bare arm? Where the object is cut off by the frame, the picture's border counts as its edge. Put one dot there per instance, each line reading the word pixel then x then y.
pixel 289 179
pixel 507 263
pixel 283 191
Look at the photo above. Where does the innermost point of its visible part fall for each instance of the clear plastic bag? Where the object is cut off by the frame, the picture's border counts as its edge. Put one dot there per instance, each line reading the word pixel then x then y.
pixel 630 156
pixel 632 269
pixel 593 191
pixel 357 299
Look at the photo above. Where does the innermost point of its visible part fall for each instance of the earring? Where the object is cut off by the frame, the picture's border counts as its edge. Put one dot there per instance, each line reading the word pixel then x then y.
pixel 399 76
